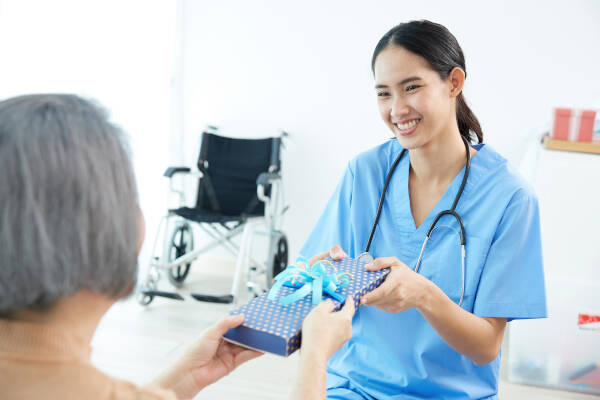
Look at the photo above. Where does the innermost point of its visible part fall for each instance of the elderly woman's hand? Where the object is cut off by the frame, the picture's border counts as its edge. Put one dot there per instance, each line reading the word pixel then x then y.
pixel 207 360
pixel 323 333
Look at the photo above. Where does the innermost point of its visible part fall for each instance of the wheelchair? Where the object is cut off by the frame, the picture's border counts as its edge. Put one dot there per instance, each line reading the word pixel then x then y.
pixel 240 192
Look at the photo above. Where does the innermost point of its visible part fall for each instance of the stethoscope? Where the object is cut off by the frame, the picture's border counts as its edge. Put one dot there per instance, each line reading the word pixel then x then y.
pixel 366 257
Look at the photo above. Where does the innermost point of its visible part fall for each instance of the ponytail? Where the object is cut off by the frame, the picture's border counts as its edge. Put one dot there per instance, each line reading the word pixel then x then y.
pixel 468 124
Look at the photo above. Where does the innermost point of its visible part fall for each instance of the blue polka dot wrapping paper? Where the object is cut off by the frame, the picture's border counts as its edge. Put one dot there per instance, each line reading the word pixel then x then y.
pixel 274 328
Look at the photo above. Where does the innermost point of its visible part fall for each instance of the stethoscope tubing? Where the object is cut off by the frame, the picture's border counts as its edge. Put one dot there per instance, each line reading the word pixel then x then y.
pixel 382 198
pixel 452 211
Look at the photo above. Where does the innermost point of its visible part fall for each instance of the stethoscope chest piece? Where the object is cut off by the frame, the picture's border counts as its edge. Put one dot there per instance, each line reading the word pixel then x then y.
pixel 366 258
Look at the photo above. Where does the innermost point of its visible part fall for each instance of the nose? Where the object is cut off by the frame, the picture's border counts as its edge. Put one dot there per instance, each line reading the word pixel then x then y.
pixel 399 108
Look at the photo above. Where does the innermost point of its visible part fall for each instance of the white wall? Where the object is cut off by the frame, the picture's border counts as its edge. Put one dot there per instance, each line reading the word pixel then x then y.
pixel 258 66
pixel 118 52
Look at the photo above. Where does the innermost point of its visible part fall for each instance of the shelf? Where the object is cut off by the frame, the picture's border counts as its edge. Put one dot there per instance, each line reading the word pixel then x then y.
pixel 566 145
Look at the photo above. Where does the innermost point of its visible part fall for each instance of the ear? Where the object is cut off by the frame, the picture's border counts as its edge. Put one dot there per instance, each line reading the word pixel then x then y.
pixel 456 81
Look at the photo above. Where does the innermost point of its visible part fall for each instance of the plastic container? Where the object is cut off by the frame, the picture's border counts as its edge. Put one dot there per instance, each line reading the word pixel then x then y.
pixel 562 351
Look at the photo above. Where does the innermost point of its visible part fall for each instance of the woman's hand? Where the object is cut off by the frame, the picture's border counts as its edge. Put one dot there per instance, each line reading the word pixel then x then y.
pixel 336 253
pixel 207 360
pixel 402 289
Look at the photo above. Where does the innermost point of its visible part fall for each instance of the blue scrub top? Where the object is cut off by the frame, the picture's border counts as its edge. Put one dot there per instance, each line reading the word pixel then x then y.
pixel 400 356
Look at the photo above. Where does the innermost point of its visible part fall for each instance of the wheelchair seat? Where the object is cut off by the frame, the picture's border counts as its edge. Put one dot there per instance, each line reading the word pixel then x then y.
pixel 202 215
pixel 230 168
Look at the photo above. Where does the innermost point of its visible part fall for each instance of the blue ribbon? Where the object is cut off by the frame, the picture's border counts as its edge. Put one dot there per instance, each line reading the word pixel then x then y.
pixel 321 277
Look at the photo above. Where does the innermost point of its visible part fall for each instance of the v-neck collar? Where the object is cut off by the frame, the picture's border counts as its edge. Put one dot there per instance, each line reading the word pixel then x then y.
pixel 403 213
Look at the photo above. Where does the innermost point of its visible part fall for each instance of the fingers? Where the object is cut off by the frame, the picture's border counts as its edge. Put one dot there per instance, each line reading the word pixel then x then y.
pixel 234 348
pixel 246 355
pixel 225 324
pixel 378 295
pixel 349 309
pixel 337 253
pixel 320 256
pixel 326 306
pixel 381 263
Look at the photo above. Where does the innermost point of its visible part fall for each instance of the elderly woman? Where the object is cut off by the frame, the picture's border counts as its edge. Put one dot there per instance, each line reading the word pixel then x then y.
pixel 70 232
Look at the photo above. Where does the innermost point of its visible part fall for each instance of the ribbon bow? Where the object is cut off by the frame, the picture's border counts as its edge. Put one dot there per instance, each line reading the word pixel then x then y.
pixel 321 277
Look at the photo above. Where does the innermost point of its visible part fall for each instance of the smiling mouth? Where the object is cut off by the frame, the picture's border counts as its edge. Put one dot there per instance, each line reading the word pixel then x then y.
pixel 408 127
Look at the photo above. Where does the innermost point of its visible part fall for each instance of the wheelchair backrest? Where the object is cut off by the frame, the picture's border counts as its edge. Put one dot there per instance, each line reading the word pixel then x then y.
pixel 230 167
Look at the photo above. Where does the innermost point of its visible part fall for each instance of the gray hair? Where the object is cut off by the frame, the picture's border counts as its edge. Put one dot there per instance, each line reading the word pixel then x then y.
pixel 68 202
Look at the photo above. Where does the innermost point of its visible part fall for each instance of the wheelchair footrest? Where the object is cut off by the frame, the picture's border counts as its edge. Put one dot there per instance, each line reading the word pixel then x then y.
pixel 160 293
pixel 226 299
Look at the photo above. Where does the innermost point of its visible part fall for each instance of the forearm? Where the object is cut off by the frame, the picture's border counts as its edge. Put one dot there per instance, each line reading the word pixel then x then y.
pixel 476 337
pixel 312 377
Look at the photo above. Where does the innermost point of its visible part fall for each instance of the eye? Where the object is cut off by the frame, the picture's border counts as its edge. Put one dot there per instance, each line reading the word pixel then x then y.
pixel 383 94
pixel 411 88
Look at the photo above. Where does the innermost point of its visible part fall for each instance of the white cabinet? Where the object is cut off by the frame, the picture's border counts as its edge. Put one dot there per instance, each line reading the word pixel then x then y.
pixel 553 351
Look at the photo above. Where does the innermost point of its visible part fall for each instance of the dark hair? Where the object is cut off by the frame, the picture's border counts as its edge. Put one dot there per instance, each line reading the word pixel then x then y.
pixel 440 48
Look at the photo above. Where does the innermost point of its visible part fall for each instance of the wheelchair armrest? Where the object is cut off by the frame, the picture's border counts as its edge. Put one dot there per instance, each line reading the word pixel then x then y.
pixel 175 170
pixel 267 177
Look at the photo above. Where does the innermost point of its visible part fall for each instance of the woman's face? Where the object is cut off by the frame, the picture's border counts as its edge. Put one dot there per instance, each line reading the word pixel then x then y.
pixel 414 101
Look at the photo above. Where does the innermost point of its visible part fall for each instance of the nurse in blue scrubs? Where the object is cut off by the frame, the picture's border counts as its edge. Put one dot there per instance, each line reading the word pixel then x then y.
pixel 413 337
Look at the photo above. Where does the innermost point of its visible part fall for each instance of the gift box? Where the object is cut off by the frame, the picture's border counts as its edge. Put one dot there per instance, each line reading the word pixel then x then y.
pixel 573 125
pixel 271 325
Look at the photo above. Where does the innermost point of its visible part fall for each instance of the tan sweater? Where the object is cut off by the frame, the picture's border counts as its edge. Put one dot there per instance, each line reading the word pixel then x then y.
pixel 38 362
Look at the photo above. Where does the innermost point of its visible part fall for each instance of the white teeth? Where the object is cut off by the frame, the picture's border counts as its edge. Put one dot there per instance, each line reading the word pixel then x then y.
pixel 407 125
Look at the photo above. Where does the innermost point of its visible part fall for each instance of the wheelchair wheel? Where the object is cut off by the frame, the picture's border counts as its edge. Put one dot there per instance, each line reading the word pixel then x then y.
pixel 280 259
pixel 182 242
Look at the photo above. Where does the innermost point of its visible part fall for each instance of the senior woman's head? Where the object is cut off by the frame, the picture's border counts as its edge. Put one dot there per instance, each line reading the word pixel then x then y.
pixel 69 219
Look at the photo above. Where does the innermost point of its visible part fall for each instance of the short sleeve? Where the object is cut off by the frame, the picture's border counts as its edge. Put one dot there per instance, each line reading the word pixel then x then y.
pixel 512 282
pixel 334 225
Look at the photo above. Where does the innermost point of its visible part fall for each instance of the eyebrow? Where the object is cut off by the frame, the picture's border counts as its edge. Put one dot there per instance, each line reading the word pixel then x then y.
pixel 402 82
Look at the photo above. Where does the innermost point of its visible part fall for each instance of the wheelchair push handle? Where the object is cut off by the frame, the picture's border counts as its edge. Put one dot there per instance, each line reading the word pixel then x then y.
pixel 175 170
pixel 264 178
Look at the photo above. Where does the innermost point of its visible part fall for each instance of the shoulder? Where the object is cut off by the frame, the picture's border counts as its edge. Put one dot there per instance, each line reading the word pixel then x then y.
pixel 127 390
pixel 494 175
pixel 105 386
pixel 376 158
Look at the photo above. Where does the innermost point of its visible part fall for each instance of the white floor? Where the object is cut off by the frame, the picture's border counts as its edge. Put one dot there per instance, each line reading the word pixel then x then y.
pixel 135 343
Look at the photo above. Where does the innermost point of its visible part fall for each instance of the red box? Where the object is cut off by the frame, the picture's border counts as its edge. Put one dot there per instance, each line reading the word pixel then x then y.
pixel 573 125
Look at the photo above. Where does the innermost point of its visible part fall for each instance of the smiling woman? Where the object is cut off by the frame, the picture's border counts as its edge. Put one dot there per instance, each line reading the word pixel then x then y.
pixel 458 228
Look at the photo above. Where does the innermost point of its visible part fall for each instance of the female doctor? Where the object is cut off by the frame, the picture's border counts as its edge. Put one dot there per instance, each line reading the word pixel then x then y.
pixel 457 227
